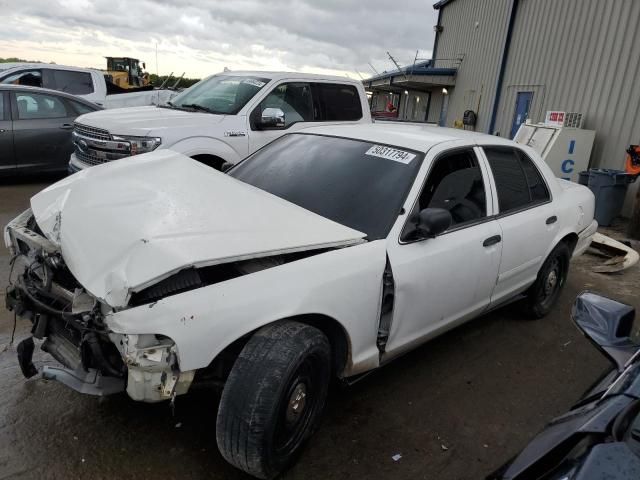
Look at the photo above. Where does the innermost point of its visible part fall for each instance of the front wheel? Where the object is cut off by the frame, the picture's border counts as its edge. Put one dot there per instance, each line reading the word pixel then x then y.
pixel 542 295
pixel 273 398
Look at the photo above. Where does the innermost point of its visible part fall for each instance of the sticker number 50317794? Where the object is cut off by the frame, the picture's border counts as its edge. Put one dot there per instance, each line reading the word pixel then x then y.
pixel 390 154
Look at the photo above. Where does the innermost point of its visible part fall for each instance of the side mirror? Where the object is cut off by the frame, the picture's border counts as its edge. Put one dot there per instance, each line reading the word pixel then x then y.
pixel 608 324
pixel 431 222
pixel 271 118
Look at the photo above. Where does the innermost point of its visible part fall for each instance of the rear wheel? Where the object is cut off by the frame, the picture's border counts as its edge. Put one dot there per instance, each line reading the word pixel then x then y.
pixel 273 398
pixel 544 293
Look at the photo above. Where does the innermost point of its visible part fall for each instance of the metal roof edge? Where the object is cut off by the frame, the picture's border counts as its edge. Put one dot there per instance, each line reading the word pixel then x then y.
pixel 440 4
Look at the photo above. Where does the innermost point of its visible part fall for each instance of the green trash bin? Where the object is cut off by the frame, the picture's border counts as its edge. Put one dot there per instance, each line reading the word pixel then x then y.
pixel 609 188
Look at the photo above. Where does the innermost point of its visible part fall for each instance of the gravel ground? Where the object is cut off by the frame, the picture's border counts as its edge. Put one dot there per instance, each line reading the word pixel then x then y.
pixel 456 408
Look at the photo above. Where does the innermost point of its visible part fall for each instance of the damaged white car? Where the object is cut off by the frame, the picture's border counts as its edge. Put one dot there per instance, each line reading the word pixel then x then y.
pixel 326 253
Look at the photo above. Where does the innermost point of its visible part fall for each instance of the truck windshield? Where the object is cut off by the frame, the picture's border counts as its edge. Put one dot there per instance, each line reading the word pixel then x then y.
pixel 358 184
pixel 223 94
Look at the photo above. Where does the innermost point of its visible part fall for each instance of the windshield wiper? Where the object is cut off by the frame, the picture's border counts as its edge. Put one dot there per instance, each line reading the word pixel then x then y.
pixel 200 108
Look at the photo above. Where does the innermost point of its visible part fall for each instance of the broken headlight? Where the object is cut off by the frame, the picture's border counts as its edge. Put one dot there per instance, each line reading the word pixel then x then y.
pixel 139 144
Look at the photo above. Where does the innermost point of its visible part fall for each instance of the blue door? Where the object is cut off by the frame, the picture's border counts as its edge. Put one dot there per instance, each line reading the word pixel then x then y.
pixel 523 103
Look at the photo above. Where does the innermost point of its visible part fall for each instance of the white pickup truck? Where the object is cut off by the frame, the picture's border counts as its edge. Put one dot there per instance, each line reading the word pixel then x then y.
pixel 85 83
pixel 221 119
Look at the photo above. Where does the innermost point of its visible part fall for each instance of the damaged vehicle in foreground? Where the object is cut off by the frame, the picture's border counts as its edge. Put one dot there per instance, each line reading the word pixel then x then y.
pixel 326 253
pixel 599 438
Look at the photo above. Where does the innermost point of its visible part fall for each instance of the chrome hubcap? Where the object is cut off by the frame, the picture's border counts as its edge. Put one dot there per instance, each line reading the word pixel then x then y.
pixel 297 402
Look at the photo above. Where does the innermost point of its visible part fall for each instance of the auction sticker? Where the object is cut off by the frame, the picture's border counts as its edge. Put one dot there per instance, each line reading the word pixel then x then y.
pixel 390 154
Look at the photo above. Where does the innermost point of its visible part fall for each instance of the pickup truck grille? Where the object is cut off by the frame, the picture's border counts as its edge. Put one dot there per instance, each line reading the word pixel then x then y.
pixel 91 132
pixel 93 146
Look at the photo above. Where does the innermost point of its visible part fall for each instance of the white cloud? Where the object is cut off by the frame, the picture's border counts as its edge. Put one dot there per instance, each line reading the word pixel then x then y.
pixel 201 38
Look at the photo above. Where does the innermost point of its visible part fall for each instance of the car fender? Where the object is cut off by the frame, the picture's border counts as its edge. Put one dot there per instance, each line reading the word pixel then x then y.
pixel 343 284
pixel 192 146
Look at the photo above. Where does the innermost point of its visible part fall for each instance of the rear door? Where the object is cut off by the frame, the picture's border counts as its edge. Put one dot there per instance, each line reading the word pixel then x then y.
pixel 7 158
pixel 527 218
pixel 42 124
pixel 69 81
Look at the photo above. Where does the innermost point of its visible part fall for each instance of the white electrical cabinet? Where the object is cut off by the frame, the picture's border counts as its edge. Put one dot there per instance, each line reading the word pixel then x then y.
pixel 566 149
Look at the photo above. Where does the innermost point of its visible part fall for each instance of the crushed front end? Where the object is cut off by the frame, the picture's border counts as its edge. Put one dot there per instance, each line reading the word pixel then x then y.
pixel 71 324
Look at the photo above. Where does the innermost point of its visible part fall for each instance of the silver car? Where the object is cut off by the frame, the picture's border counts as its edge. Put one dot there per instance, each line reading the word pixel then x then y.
pixel 35 128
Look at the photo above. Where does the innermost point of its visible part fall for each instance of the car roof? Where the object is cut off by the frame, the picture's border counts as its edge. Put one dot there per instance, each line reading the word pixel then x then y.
pixel 26 88
pixel 414 136
pixel 291 75
pixel 46 66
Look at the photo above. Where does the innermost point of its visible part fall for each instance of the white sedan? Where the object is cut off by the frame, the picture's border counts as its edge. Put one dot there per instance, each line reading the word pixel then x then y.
pixel 326 253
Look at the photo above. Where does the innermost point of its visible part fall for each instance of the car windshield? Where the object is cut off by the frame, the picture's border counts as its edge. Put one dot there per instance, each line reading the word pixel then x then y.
pixel 223 94
pixel 358 184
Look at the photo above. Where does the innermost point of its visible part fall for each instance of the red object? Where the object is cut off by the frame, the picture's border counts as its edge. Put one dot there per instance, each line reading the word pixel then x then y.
pixel 632 163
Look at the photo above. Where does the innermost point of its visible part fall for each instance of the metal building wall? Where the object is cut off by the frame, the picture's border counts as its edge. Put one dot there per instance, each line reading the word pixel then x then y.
pixel 475 30
pixel 578 56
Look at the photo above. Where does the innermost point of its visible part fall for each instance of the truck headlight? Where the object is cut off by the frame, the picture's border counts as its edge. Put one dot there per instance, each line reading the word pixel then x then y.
pixel 139 144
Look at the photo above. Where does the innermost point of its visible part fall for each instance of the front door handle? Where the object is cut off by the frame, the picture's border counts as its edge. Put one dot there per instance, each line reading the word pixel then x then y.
pixel 551 220
pixel 66 126
pixel 492 241
pixel 2 130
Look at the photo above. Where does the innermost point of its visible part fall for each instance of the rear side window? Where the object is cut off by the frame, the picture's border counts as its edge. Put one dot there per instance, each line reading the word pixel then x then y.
pixel 537 188
pixel 338 102
pixel 518 181
pixel 29 78
pixel 75 83
pixel 33 106
pixel 80 108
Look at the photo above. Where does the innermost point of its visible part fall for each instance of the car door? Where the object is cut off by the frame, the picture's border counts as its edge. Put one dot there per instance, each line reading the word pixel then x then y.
pixel 526 215
pixel 295 100
pixel 7 157
pixel 440 282
pixel 69 81
pixel 42 125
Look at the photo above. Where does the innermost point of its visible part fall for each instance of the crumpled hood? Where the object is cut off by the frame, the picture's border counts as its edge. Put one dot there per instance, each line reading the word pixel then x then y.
pixel 142 121
pixel 125 225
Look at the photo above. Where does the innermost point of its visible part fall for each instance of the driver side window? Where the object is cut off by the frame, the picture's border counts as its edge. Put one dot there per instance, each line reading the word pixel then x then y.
pixel 294 99
pixel 455 184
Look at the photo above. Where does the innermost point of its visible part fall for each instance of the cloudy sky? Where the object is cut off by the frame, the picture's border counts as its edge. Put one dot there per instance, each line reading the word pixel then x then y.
pixel 202 37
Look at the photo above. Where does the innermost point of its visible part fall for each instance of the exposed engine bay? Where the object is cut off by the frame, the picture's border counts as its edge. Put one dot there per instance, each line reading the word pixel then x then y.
pixel 70 322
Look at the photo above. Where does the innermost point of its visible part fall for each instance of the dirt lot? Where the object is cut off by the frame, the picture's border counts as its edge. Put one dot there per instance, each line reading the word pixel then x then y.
pixel 455 408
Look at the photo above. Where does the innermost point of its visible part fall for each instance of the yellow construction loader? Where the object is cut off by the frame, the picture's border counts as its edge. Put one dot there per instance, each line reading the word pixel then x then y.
pixel 126 72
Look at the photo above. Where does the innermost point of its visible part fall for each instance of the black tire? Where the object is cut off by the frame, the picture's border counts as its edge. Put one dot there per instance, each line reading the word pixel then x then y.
pixel 543 294
pixel 273 399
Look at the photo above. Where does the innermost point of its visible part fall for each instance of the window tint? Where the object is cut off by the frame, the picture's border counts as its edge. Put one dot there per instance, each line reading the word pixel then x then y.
pixel 294 99
pixel 36 105
pixel 341 179
pixel 339 102
pixel 80 108
pixel 537 188
pixel 30 78
pixel 515 189
pixel 455 183
pixel 76 83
